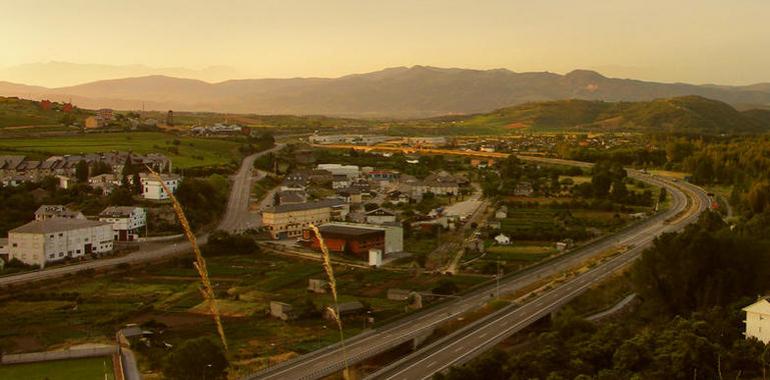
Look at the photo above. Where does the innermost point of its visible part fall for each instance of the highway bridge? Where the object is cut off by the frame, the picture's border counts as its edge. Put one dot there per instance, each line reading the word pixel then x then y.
pixel 687 203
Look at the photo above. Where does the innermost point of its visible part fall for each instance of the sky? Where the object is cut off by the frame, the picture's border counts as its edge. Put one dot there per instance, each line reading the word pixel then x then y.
pixel 703 41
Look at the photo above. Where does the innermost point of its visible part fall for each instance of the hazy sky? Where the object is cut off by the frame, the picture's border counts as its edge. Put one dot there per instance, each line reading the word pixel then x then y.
pixel 703 41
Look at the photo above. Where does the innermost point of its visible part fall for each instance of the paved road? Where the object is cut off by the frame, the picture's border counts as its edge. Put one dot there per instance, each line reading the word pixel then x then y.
pixel 236 217
pixel 482 335
pixel 329 360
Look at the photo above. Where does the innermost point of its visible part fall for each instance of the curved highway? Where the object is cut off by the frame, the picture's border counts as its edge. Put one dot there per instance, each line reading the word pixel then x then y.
pixel 684 209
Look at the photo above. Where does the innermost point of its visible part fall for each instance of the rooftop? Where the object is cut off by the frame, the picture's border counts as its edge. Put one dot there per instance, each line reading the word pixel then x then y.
pixel 305 206
pixel 56 225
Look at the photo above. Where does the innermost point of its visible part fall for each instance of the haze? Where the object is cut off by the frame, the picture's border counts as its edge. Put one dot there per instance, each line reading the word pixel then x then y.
pixel 683 41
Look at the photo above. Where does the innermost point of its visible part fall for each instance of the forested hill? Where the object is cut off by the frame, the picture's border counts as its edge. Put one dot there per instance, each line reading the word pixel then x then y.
pixel 680 114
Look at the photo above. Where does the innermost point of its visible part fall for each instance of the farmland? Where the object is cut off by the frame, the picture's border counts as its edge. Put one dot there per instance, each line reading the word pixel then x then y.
pixel 76 369
pixel 92 309
pixel 184 152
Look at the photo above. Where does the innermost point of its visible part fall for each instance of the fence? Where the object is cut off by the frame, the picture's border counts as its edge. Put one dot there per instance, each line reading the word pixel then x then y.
pixel 58 355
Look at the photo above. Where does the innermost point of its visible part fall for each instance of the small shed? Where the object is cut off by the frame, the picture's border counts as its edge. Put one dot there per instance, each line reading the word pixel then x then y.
pixel 282 311
pixel 502 239
pixel 317 286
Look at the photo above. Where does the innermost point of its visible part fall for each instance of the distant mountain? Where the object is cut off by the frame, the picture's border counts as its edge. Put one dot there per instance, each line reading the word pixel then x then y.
pixel 401 92
pixel 680 114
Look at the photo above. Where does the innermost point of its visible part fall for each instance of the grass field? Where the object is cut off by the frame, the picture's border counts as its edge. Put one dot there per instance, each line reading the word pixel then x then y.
pixel 192 152
pixel 76 369
pixel 521 252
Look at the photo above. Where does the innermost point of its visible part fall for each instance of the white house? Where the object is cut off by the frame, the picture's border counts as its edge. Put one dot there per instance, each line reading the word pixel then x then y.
pixel 127 222
pixel 502 239
pixel 57 211
pixel 45 241
pixel 152 188
pixel 758 320
pixel 380 216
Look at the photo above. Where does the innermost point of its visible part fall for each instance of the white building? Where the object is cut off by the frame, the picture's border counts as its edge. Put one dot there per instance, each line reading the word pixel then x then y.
pixel 57 211
pixel 152 188
pixel 4 251
pixel 502 239
pixel 127 222
pixel 51 240
pixel 758 320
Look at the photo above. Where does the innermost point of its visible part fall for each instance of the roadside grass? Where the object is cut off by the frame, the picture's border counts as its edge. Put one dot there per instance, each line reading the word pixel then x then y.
pixel 75 369
pixel 190 152
pixel 520 252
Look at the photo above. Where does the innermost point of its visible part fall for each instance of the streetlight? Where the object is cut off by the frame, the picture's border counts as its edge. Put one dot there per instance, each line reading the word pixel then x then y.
pixel 272 350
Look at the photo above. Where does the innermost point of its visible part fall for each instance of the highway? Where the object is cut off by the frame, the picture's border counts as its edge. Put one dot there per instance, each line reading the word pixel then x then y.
pixel 329 360
pixel 236 217
pixel 480 336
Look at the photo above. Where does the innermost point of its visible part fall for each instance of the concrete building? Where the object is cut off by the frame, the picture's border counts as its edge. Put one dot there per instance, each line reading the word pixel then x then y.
pixel 344 309
pixel 317 286
pixel 288 221
pixel 380 216
pixel 758 320
pixel 127 222
pixel 46 241
pixel 357 239
pixel 45 212
pixel 152 188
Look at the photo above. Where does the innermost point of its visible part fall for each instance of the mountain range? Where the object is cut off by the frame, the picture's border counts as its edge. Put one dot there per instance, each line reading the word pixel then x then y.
pixel 400 92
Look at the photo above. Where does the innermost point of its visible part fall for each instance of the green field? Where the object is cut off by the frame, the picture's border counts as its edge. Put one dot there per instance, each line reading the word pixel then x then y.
pixel 190 151
pixel 76 369
pixel 520 252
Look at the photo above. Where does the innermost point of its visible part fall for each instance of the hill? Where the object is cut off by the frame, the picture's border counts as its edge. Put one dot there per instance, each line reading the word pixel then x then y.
pixel 15 112
pixel 400 92
pixel 679 114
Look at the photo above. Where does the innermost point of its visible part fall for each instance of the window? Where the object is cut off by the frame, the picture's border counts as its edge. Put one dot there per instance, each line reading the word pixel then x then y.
pixel 15 244
pixel 61 234
pixel 78 251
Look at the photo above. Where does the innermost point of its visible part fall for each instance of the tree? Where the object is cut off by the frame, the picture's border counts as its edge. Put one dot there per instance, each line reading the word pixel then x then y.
pixel 194 359
pixel 81 171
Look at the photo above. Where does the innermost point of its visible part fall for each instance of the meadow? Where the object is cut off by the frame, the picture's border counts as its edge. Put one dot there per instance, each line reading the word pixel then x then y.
pixel 184 152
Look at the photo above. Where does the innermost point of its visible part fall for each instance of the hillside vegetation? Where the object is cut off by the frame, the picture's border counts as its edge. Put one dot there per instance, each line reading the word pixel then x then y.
pixel 15 112
pixel 681 114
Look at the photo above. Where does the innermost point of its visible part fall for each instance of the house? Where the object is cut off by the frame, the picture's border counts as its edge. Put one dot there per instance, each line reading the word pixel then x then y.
pixel 105 182
pixel 289 220
pixel 502 239
pixel 382 175
pixel 340 181
pixel 66 182
pixel 317 286
pixel 55 239
pixel 502 212
pixel 350 171
pixel 5 250
pixel 127 222
pixel 438 184
pixel 344 309
pixel 523 189
pixel 380 216
pixel 57 211
pixel 758 320
pixel 152 187
pixel 351 195
pixel 282 311
pixel 357 238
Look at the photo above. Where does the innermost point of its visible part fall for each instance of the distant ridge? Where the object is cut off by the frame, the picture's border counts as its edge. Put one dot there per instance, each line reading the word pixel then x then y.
pixel 399 92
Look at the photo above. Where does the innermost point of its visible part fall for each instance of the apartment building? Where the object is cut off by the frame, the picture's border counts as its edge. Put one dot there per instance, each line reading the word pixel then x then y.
pixel 57 211
pixel 127 222
pixel 42 242
pixel 153 189
pixel 289 220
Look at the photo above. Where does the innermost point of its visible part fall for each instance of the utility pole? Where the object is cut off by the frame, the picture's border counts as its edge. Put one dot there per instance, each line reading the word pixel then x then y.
pixel 497 289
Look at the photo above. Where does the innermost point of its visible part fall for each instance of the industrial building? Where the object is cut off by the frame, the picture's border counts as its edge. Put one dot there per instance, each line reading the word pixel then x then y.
pixel 357 239
pixel 45 241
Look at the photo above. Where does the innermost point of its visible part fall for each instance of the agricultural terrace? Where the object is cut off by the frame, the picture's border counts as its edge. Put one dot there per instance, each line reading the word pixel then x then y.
pixel 184 152
pixel 166 298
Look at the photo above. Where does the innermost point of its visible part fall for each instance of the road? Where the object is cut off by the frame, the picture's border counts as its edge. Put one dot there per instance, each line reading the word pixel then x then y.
pixel 329 360
pixel 480 336
pixel 236 217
